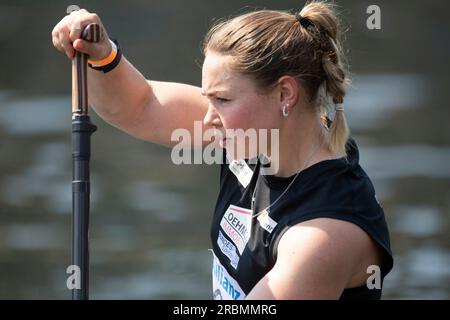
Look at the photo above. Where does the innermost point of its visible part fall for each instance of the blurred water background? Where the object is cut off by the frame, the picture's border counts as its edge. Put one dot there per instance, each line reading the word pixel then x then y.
pixel 150 218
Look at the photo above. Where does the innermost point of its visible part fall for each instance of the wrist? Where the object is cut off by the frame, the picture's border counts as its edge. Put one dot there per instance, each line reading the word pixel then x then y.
pixel 109 62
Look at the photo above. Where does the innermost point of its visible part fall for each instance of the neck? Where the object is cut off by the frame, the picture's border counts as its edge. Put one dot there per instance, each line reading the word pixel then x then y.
pixel 302 143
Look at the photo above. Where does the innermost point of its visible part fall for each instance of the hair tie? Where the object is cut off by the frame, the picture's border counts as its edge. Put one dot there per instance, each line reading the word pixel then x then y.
pixel 339 107
pixel 305 22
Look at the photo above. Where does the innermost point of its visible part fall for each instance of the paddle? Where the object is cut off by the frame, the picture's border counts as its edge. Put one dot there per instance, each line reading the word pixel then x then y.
pixel 82 128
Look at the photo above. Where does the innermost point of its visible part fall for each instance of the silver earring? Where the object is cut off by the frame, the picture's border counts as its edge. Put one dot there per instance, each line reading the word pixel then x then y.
pixel 286 111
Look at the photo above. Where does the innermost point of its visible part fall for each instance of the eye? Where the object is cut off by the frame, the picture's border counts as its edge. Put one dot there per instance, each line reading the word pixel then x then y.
pixel 222 100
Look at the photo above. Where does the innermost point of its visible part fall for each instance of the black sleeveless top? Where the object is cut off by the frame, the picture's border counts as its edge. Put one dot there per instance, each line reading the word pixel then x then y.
pixel 244 247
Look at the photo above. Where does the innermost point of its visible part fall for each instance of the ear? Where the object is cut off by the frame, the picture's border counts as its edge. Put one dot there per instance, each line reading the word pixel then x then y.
pixel 288 91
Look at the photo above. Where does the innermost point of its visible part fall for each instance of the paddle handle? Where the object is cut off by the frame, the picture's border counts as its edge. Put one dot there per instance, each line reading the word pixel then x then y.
pixel 92 33
pixel 82 130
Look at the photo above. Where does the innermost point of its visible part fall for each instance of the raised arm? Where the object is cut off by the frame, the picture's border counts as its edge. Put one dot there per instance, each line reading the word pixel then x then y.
pixel 148 110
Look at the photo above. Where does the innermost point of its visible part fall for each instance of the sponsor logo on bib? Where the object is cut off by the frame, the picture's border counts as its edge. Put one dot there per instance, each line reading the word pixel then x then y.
pixel 224 286
pixel 228 249
pixel 237 223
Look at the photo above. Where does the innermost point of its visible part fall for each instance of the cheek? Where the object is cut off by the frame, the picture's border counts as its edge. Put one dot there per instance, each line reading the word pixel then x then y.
pixel 248 114
pixel 236 116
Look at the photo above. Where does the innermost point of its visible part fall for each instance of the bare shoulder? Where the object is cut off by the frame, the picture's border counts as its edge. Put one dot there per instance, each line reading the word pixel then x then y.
pixel 343 233
pixel 317 259
pixel 341 244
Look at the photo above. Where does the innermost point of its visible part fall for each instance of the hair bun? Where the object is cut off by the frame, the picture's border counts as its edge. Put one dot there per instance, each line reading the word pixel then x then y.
pixel 323 16
pixel 305 22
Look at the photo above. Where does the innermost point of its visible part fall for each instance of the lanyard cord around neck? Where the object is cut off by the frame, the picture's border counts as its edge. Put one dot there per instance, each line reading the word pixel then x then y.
pixel 285 190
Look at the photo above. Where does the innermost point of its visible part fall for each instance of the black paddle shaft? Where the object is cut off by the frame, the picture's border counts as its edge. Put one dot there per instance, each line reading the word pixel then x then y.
pixel 82 128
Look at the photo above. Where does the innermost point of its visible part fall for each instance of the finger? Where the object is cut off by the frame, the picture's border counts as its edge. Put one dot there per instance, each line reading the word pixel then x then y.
pixel 95 51
pixel 82 46
pixel 79 23
pixel 75 31
pixel 55 40
pixel 66 46
pixel 57 33
pixel 57 43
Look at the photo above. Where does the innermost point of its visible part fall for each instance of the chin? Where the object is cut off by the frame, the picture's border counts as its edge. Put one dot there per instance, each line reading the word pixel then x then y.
pixel 240 153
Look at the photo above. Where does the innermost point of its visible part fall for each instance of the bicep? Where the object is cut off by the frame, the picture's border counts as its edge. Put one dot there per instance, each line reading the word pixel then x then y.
pixel 315 260
pixel 169 107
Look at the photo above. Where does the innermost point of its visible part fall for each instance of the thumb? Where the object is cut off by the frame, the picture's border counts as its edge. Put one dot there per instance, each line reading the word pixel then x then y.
pixel 95 50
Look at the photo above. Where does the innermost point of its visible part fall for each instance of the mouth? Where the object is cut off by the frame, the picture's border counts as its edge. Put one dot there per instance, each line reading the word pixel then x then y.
pixel 223 142
pixel 221 137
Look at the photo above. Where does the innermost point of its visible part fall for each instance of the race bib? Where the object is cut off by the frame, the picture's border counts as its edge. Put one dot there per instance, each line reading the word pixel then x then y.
pixel 237 223
pixel 224 286
pixel 228 249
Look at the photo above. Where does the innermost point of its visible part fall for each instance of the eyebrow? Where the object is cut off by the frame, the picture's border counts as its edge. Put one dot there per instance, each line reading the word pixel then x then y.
pixel 211 93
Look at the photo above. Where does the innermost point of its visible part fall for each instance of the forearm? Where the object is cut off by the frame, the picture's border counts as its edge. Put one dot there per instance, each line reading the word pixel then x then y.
pixel 119 95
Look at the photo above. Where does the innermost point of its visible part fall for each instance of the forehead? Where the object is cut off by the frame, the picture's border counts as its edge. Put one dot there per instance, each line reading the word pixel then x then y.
pixel 217 74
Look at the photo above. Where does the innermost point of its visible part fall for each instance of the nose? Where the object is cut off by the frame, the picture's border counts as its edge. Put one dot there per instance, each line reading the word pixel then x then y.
pixel 212 117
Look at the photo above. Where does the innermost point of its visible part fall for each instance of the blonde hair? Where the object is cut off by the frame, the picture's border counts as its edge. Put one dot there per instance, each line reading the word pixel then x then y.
pixel 267 45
